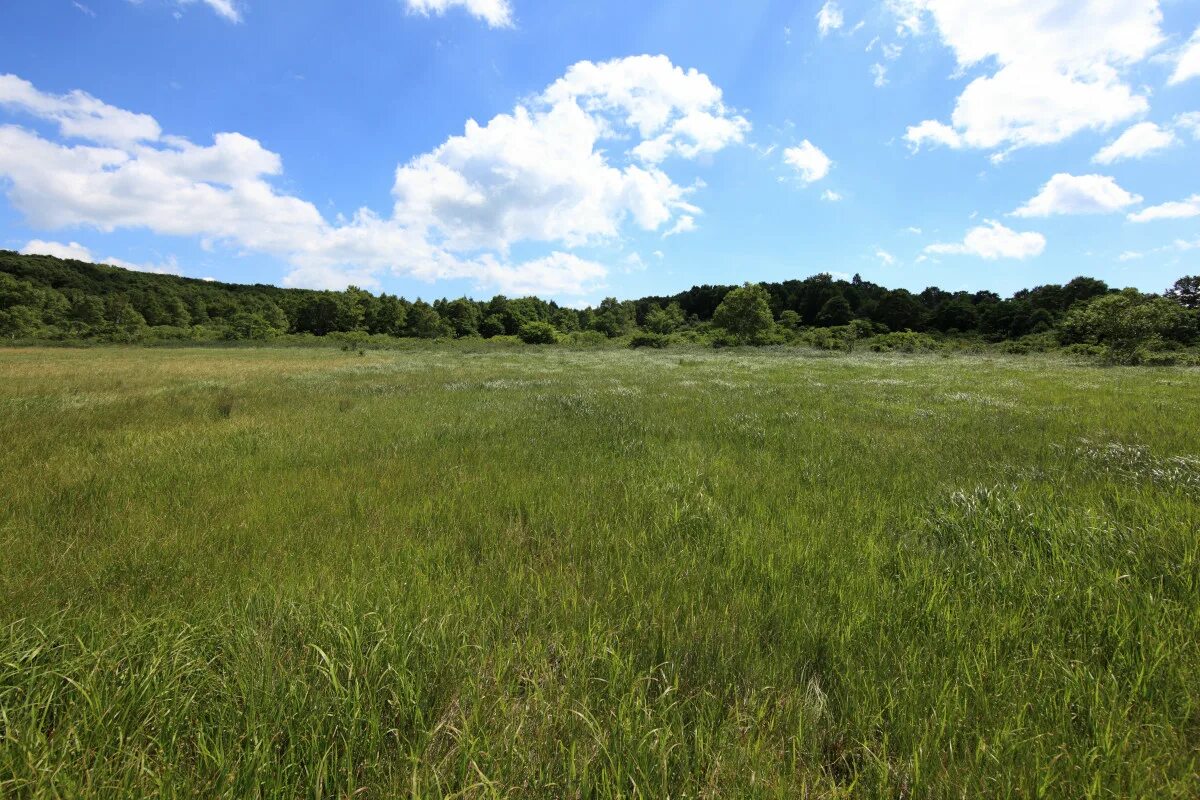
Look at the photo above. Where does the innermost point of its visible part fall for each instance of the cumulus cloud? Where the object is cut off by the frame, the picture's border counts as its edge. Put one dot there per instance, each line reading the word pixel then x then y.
pixel 830 196
pixel 1188 65
pixel 829 18
pixel 1176 209
pixel 72 251
pixel 1138 141
pixel 496 13
pixel 570 167
pixel 1056 67
pixel 77 252
pixel 808 160
pixel 885 258
pixel 77 114
pixel 993 241
pixel 879 73
pixel 1078 194
pixel 933 132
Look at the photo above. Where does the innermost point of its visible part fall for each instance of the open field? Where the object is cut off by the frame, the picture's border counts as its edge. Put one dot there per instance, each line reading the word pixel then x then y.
pixel 546 573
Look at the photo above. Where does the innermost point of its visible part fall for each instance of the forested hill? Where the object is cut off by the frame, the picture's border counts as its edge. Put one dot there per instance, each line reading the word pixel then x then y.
pixel 42 297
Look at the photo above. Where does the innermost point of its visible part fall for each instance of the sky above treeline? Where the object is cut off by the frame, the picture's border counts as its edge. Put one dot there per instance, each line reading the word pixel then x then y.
pixel 578 150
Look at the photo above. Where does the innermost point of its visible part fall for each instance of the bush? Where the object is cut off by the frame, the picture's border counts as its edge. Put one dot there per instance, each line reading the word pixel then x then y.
pixel 906 342
pixel 1129 324
pixel 538 333
pixel 586 339
pixel 649 340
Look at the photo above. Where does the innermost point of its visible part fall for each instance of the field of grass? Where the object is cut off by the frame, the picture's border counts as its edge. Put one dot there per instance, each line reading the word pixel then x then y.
pixel 546 573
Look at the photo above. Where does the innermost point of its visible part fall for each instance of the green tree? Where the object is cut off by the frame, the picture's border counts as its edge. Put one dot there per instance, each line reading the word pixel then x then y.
pixel 388 316
pixel 1129 322
pixel 425 323
pixel 536 332
pixel 899 310
pixel 463 316
pixel 492 325
pixel 246 325
pixel 664 320
pixel 613 318
pixel 1186 292
pixel 956 314
pixel 745 312
pixel 566 320
pixel 328 312
pixel 835 312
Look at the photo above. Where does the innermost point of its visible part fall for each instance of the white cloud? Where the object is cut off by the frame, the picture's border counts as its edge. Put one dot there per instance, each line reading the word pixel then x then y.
pixel 78 114
pixel 1078 194
pixel 808 160
pixel 1176 209
pixel 675 112
pixel 829 195
pixel 73 251
pixel 82 8
pixel 992 241
pixel 685 224
pixel 1130 255
pixel 1138 141
pixel 77 252
pixel 885 258
pixel 829 18
pixel 556 274
pixel 1188 65
pixel 879 73
pixel 229 9
pixel 932 132
pixel 167 267
pixel 567 168
pixel 225 8
pixel 1189 121
pixel 1057 67
pixel 496 13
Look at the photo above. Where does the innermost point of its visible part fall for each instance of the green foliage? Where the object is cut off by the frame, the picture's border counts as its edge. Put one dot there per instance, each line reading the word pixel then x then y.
pixel 425 323
pixel 664 320
pixel 613 318
pixel 1186 292
pixel 1129 324
pixel 538 333
pixel 905 342
pixel 47 299
pixel 745 313
pixel 836 311
pixel 655 340
pixel 492 325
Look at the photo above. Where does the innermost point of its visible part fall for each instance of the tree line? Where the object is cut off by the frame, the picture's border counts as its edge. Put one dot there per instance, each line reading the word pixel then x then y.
pixel 46 298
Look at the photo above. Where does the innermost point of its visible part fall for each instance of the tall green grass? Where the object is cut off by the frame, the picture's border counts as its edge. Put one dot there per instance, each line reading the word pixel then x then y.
pixel 542 573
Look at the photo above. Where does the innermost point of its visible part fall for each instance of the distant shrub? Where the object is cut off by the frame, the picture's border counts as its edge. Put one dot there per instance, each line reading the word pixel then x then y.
pixel 586 339
pixel 906 342
pixel 538 333
pixel 1034 343
pixel 649 340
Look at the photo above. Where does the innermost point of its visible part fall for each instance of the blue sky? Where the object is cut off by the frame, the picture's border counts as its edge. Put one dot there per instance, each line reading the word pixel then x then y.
pixel 617 148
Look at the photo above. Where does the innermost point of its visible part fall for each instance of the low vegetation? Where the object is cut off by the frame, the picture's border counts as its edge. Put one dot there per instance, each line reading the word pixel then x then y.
pixel 560 572
pixel 45 299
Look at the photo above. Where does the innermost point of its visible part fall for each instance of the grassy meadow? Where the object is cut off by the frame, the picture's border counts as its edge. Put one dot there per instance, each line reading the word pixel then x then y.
pixel 554 573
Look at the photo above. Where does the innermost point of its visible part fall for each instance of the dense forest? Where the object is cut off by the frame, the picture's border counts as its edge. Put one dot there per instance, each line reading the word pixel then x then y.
pixel 50 299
